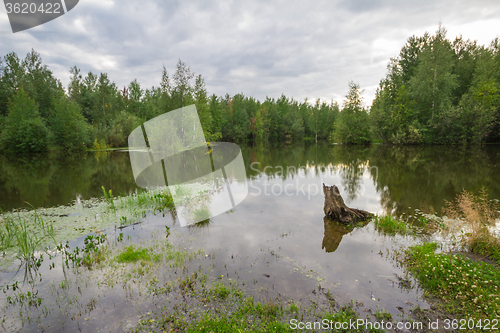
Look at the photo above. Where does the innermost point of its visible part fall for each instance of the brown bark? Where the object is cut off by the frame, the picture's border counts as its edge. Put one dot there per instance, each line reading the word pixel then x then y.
pixel 336 209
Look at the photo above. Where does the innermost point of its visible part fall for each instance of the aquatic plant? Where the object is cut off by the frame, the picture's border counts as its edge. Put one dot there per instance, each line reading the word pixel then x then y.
pixel 108 197
pixel 91 253
pixel 133 254
pixel 383 315
pixel 26 237
pixel 155 200
pixel 390 225
pixel 228 309
pixel 202 214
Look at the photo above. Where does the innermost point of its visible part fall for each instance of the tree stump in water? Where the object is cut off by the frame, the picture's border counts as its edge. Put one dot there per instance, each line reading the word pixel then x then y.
pixel 336 209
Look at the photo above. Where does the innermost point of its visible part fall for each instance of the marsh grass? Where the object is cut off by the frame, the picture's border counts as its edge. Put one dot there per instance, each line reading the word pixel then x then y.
pixel 16 232
pixel 25 232
pixel 201 225
pixel 226 308
pixel 133 254
pixel 156 200
pixel 202 214
pixel 472 218
pixel 383 315
pixel 219 290
pixel 391 226
pixel 467 288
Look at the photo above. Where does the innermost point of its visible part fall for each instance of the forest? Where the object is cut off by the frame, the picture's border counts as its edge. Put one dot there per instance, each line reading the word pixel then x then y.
pixel 436 91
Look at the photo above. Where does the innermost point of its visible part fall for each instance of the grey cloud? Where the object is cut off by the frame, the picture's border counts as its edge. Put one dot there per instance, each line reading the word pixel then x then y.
pixel 259 48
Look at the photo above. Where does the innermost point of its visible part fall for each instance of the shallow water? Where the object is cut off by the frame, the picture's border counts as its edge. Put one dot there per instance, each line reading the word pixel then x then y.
pixel 276 240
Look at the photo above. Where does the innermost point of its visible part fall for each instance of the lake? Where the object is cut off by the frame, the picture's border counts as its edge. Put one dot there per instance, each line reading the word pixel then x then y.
pixel 276 242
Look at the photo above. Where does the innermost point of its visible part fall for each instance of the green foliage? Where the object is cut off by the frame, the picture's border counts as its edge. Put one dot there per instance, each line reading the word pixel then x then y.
pixel 95 110
pixel 219 290
pixel 156 200
pixel 69 128
pixel 30 75
pixel 390 225
pixel 228 309
pixel 24 129
pixel 91 253
pixel 121 128
pixel 437 91
pixel 132 254
pixel 383 315
pixel 99 145
pixel 108 197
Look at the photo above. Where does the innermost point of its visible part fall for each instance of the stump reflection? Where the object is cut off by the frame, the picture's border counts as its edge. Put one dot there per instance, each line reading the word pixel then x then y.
pixel 334 231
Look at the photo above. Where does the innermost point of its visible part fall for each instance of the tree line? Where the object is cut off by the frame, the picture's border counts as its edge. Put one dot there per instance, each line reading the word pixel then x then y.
pixel 435 92
pixel 37 113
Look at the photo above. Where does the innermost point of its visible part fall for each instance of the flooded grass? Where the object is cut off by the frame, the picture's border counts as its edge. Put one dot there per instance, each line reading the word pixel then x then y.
pixel 226 308
pixel 132 254
pixel 154 200
pixel 391 226
pixel 466 288
pixel 101 264
pixel 24 232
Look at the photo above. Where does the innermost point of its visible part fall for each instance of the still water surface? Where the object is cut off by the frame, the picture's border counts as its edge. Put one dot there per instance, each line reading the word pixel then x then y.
pixel 277 240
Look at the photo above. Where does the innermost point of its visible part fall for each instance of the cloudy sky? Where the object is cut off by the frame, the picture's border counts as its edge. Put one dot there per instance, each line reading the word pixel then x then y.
pixel 260 48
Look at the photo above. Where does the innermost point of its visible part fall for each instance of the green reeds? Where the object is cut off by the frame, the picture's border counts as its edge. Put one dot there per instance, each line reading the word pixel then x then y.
pixel 390 225
pixel 108 197
pixel 22 235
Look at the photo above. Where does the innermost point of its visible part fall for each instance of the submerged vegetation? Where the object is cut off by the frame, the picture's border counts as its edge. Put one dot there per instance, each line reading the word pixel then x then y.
pixel 133 254
pixel 92 252
pixel 26 233
pixel 228 309
pixel 22 232
pixel 461 276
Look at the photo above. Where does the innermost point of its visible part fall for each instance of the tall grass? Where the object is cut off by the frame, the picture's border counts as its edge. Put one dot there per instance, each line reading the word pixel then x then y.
pixel 159 200
pixel 22 235
pixel 472 217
